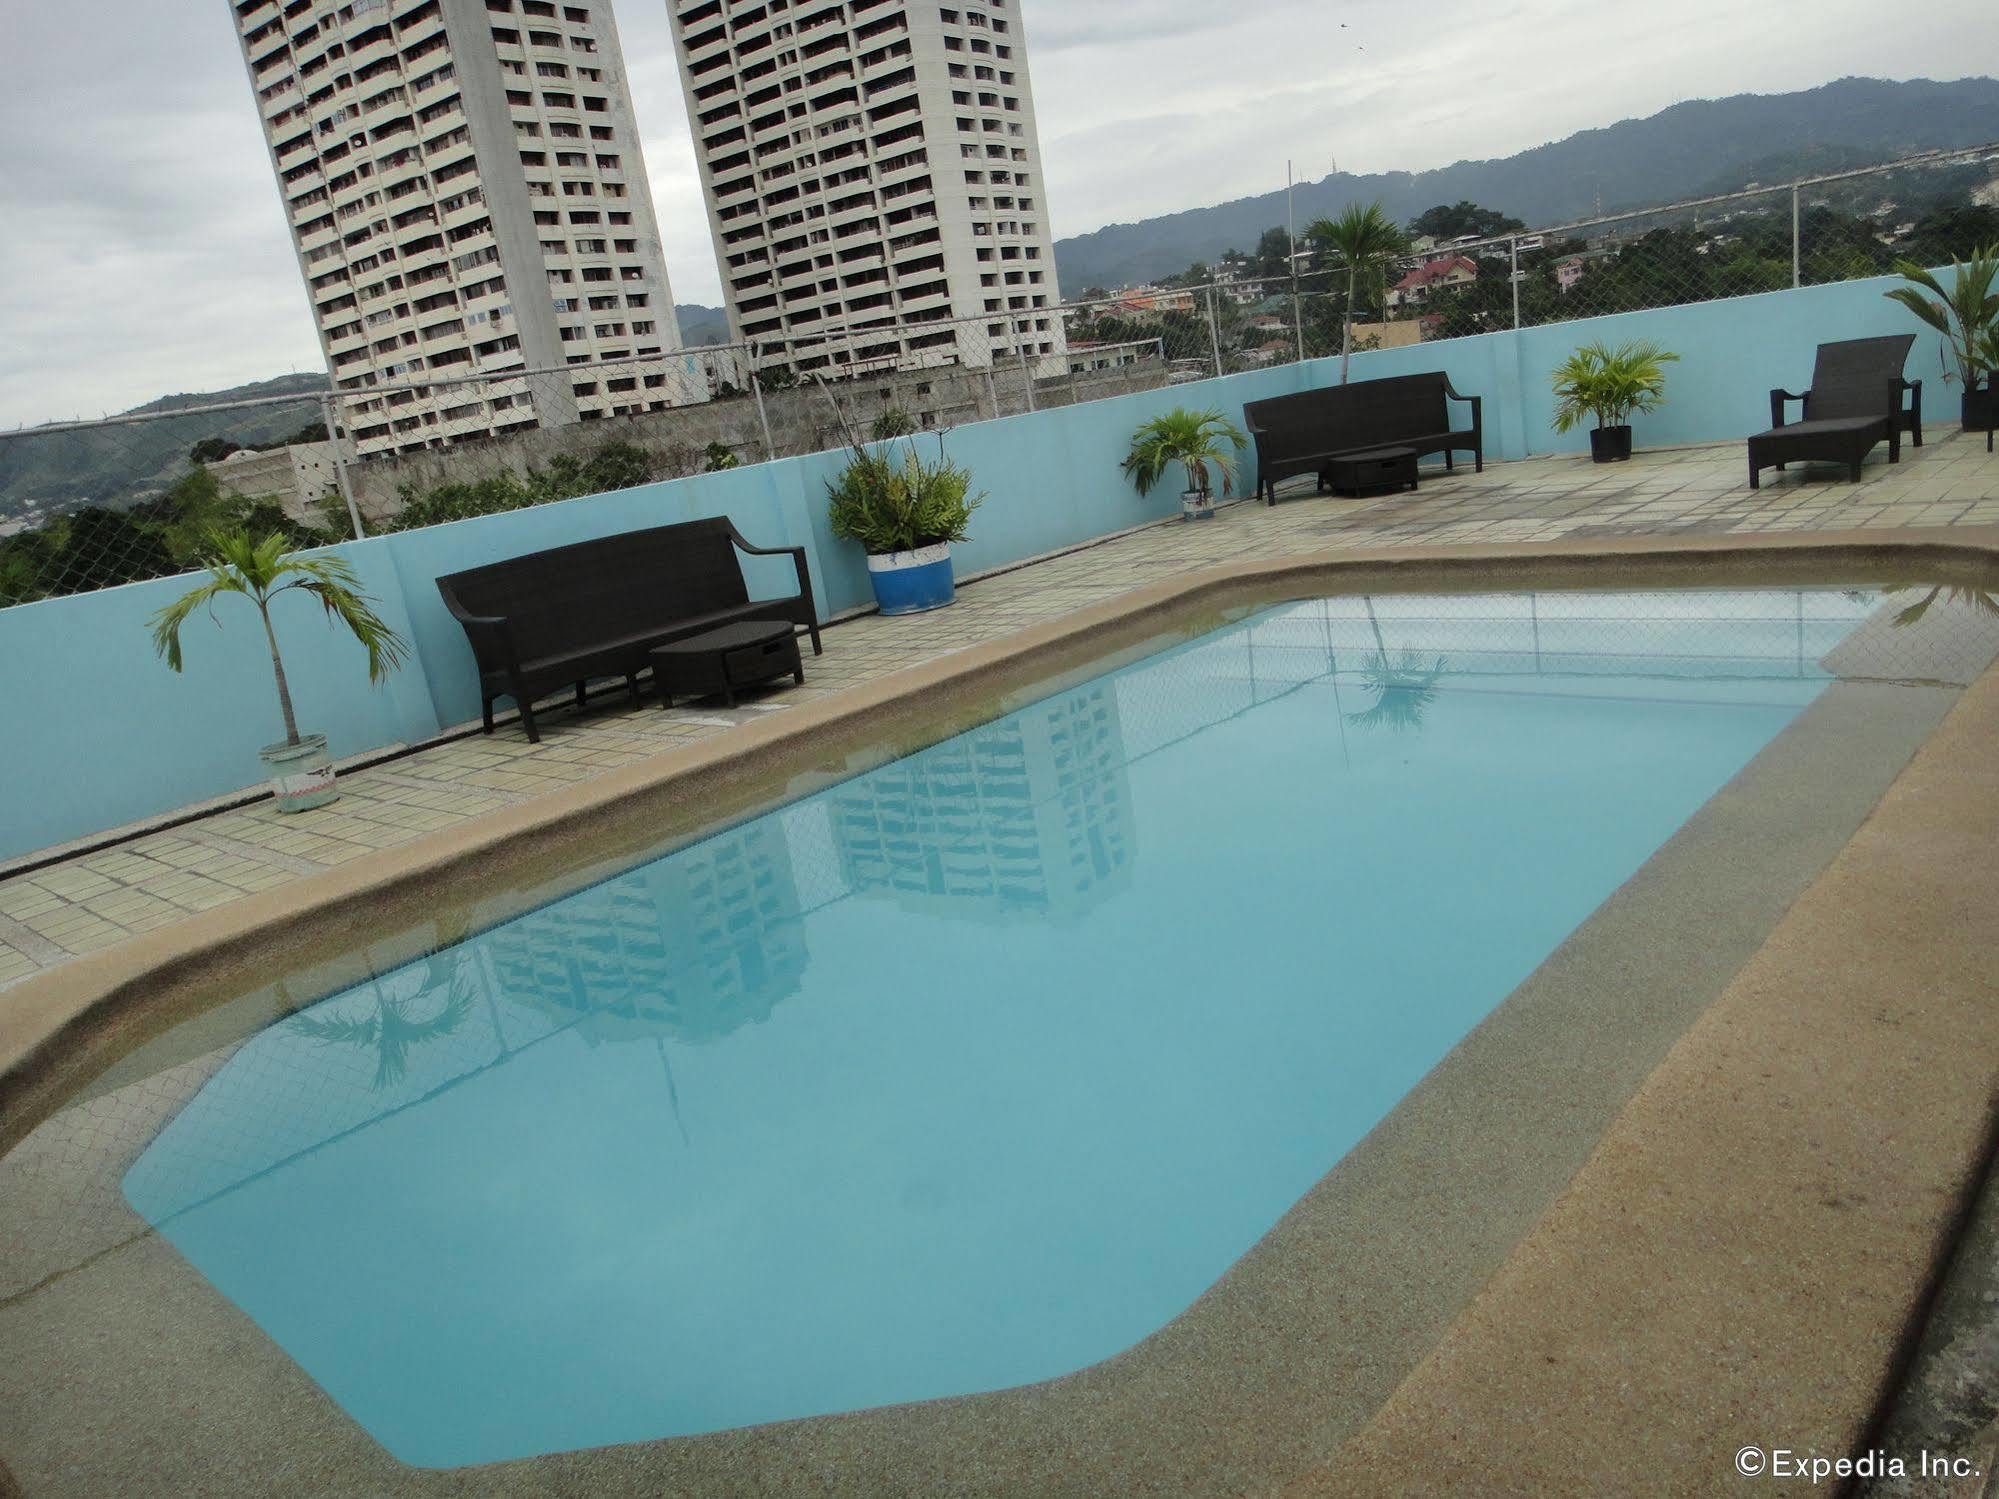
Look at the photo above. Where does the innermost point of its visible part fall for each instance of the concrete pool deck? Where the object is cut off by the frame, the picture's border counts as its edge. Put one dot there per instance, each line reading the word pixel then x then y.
pixel 93 899
pixel 1241 1394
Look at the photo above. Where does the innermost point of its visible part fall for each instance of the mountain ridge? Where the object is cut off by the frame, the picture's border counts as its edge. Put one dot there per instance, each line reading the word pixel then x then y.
pixel 1689 149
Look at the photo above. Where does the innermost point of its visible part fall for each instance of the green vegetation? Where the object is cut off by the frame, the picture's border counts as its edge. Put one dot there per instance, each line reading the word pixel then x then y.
pixel 260 571
pixel 717 457
pixel 1966 314
pixel 894 422
pixel 618 465
pixel 1192 439
pixel 1609 384
pixel 1461 219
pixel 98 547
pixel 895 501
pixel 1367 244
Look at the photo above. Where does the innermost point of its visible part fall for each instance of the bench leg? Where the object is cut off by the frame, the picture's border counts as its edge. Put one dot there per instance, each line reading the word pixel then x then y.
pixel 1755 478
pixel 728 694
pixel 1448 465
pixel 799 675
pixel 527 721
pixel 486 711
pixel 582 693
pixel 817 648
pixel 632 681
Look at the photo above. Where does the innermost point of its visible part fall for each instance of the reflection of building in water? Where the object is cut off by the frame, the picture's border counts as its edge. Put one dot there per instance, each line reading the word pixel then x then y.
pixel 1028 814
pixel 687 948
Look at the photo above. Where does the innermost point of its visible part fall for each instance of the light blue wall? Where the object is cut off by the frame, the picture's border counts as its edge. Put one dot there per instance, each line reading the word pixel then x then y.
pixel 97 732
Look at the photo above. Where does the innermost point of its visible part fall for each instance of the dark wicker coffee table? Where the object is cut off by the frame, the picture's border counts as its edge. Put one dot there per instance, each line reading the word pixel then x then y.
pixel 723 659
pixel 1375 471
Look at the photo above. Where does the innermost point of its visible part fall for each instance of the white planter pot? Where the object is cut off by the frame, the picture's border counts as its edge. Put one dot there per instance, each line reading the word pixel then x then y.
pixel 301 774
pixel 1196 506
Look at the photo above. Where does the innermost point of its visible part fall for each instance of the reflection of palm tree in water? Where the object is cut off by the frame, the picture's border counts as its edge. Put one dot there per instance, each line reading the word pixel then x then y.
pixel 1403 686
pixel 1976 599
pixel 393 1024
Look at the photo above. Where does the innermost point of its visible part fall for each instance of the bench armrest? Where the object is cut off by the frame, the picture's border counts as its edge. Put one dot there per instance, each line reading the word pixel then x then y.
pixel 797 556
pixel 1777 400
pixel 491 637
pixel 1915 390
pixel 1477 405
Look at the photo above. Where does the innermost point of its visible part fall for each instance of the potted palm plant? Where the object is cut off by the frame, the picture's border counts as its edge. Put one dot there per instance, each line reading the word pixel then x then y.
pixel 1610 385
pixel 1194 440
pixel 1967 315
pixel 299 765
pixel 905 512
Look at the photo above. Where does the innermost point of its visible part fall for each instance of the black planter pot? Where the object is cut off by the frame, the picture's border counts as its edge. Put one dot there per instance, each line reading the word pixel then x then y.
pixel 1978 406
pixel 1610 444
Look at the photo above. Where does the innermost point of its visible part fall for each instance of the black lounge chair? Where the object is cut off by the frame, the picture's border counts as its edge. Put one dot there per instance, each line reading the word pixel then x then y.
pixel 1855 401
pixel 551 619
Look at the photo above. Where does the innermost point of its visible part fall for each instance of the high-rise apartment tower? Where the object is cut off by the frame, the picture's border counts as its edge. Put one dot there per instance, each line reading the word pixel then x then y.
pixel 464 187
pixel 871 168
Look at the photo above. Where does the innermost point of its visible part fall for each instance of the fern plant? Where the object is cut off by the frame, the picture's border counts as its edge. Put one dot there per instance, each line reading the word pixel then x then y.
pixel 1192 439
pixel 262 570
pixel 894 500
pixel 1609 384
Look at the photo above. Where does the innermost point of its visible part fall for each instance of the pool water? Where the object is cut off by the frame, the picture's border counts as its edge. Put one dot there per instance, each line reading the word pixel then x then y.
pixel 973 1070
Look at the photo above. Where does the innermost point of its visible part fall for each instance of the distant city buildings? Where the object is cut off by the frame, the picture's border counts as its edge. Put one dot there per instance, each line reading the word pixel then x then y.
pixel 872 174
pixel 466 195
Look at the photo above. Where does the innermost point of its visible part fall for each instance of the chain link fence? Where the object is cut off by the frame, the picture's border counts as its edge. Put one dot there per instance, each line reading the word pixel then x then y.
pixel 85 505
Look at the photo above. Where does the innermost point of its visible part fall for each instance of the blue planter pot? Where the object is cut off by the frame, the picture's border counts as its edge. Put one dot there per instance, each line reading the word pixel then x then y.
pixel 911 582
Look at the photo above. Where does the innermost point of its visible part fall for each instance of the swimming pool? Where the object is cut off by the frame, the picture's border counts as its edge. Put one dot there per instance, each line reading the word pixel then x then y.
pixel 974 1069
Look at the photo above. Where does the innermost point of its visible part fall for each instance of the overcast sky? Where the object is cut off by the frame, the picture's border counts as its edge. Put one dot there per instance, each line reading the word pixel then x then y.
pixel 144 248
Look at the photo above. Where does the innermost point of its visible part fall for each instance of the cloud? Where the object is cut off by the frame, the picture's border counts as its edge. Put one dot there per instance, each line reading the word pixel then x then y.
pixel 146 250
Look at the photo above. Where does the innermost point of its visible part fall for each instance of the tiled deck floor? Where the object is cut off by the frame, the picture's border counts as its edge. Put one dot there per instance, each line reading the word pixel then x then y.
pixel 95 899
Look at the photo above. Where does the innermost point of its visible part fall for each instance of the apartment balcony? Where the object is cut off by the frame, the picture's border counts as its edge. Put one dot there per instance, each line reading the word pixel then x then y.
pixel 398 167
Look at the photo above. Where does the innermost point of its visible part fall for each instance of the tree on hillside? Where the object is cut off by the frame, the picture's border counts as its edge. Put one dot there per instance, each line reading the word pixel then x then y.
pixel 1273 252
pixel 1456 220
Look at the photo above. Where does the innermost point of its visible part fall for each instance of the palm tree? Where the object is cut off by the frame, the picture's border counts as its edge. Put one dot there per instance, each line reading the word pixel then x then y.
pixel 1368 241
pixel 1965 314
pixel 260 571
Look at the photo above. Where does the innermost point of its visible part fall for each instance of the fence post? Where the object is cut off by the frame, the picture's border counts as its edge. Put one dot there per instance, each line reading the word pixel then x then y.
pixel 992 385
pixel 757 389
pixel 1026 373
pixel 1214 330
pixel 340 479
pixel 1796 280
pixel 1513 276
pixel 1297 312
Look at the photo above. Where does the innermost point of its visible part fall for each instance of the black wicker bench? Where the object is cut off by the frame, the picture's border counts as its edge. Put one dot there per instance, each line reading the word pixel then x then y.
pixel 1855 401
pixel 1305 433
pixel 560 618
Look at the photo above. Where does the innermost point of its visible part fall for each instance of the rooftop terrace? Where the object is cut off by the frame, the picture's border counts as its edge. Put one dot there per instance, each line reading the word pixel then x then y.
pixel 62 906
